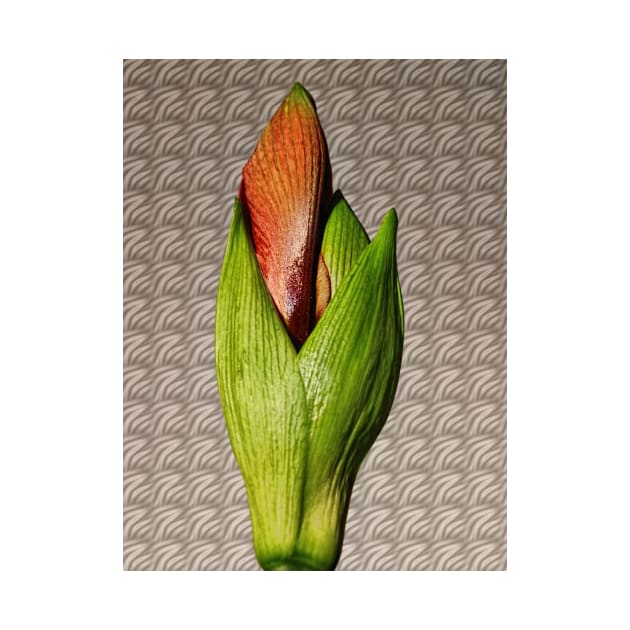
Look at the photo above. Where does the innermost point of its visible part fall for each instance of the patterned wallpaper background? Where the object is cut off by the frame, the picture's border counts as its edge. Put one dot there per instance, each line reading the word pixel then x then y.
pixel 427 137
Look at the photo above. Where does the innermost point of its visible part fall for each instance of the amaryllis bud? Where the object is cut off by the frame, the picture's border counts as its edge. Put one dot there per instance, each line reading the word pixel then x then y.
pixel 308 342
pixel 285 190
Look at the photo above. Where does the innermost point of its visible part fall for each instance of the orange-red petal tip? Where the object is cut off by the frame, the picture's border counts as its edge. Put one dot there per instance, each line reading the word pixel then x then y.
pixel 286 187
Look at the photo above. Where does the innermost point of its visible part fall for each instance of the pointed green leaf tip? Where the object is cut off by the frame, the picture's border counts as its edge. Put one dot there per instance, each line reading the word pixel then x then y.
pixel 301 424
pixel 299 94
pixel 343 242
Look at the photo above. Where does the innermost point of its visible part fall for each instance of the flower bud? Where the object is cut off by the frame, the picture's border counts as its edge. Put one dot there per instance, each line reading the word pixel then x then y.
pixel 302 416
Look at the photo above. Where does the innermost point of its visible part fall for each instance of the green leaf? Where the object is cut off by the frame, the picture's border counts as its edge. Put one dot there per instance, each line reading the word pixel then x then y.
pixel 350 365
pixel 263 398
pixel 343 242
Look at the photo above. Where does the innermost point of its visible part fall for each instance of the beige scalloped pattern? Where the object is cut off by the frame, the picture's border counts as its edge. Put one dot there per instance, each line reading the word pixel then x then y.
pixel 428 137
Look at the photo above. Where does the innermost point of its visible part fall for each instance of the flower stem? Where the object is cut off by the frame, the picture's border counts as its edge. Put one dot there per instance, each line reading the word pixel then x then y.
pixel 292 564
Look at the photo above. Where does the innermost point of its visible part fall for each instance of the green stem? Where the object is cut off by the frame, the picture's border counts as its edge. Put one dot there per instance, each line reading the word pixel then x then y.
pixel 292 564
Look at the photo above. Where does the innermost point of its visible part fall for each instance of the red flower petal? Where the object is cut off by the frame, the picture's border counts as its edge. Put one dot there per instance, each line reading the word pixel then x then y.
pixel 286 186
